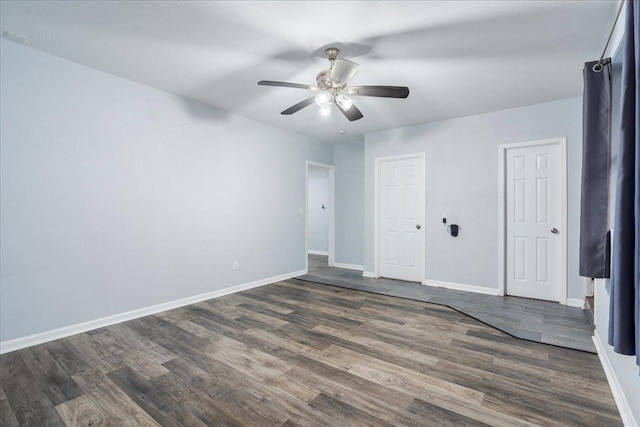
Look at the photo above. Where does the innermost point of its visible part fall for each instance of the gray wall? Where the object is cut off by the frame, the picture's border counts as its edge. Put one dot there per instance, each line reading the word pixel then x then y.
pixel 318 217
pixel 462 181
pixel 349 166
pixel 116 196
pixel 625 367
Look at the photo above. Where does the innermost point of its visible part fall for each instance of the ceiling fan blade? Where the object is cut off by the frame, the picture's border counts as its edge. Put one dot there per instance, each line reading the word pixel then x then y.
pixel 299 106
pixel 380 91
pixel 286 84
pixel 352 113
pixel 343 71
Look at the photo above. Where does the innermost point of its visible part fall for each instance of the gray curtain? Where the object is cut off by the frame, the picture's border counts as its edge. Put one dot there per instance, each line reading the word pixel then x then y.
pixel 596 146
pixel 624 327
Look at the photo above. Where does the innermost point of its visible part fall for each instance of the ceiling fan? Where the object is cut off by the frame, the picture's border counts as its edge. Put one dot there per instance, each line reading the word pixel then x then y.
pixel 332 88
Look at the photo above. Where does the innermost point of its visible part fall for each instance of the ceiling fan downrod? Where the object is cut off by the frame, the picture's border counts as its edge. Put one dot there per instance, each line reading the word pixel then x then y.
pixel 323 78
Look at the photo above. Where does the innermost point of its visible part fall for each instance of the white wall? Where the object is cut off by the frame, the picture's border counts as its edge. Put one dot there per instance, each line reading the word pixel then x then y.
pixel 116 196
pixel 318 217
pixel 349 163
pixel 624 367
pixel 462 181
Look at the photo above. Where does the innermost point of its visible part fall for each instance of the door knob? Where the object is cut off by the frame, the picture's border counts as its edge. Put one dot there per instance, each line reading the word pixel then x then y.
pixel 418 226
pixel 555 230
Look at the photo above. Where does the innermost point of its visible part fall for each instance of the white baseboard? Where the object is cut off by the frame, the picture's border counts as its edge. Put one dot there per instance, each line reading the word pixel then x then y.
pixel 618 395
pixel 575 302
pixel 369 274
pixel 348 266
pixel 66 331
pixel 461 287
pixel 314 252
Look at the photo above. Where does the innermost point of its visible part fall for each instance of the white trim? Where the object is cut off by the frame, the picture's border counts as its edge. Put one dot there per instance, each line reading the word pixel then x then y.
pixel 622 403
pixel 575 302
pixel 332 212
pixel 376 204
pixel 348 266
pixel 502 152
pixel 66 331
pixel 314 252
pixel 369 274
pixel 462 287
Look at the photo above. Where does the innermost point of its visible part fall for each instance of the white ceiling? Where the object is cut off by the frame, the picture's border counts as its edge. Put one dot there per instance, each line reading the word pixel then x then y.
pixel 457 57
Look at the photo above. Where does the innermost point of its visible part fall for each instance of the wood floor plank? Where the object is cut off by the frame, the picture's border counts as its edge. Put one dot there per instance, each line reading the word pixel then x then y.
pixel 231 391
pixel 427 344
pixel 448 401
pixel 379 347
pixel 252 362
pixel 68 357
pixel 200 404
pixel 182 320
pixel 215 317
pixel 81 411
pixel 381 402
pixel 162 337
pixel 147 364
pixel 318 377
pixel 175 332
pixel 94 353
pixel 135 342
pixel 324 378
pixel 153 400
pixel 29 404
pixel 333 300
pixel 434 415
pixel 267 320
pixel 56 384
pixel 111 401
pixel 292 317
pixel 367 367
pixel 349 415
pixel 245 299
pixel 6 413
pixel 329 312
pixel 300 353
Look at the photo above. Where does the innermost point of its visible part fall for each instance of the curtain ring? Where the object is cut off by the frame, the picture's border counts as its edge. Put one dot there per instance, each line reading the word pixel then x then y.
pixel 597 67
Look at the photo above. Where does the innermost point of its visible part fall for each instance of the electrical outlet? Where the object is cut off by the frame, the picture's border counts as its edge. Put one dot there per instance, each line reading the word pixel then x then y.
pixel 236 266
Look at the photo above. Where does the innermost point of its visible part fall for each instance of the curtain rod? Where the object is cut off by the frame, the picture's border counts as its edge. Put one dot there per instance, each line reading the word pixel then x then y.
pixel 598 67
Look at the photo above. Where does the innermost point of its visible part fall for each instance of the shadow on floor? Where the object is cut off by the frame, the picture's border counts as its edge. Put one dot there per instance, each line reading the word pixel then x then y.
pixel 533 320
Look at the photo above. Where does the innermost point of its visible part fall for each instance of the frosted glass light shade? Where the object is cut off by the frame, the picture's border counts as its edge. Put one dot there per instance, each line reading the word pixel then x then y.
pixel 344 101
pixel 324 98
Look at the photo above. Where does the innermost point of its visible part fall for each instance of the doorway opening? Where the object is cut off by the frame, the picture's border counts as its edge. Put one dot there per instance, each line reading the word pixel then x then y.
pixel 319 215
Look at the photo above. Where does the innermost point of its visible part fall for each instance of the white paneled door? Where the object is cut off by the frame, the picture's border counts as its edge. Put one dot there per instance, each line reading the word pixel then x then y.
pixel 534 212
pixel 401 218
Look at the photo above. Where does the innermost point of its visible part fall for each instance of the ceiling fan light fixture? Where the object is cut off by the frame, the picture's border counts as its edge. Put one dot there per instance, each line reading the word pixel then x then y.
pixel 344 101
pixel 324 98
pixel 332 89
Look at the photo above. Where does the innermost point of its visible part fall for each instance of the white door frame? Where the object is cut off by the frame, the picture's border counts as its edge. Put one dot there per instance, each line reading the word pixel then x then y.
pixel 376 216
pixel 502 217
pixel 332 222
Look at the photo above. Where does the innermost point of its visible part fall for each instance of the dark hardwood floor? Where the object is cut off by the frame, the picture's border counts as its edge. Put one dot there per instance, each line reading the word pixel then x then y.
pixel 300 353
pixel 529 319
